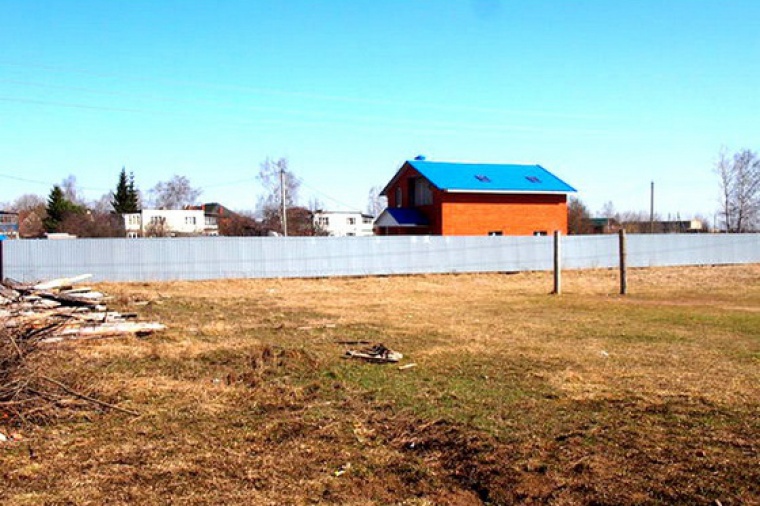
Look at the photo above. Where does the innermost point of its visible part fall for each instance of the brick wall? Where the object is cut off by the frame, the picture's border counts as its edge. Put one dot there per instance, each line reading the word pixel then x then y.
pixel 480 214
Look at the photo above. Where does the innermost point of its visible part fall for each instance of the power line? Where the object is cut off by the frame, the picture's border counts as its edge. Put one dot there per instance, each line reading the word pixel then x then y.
pixel 46 183
pixel 310 95
pixel 343 204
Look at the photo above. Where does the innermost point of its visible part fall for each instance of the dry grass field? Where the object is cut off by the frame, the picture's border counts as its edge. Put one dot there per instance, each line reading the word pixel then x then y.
pixel 518 397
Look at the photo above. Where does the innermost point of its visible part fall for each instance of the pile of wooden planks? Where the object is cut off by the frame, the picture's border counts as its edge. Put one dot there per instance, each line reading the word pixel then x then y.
pixel 56 310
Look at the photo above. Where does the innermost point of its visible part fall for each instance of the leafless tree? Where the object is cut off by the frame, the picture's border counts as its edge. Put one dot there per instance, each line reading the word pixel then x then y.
pixel 273 175
pixel 93 224
pixel 103 204
pixel 578 217
pixel 269 177
pixel 316 205
pixel 175 193
pixel 376 203
pixel 739 178
pixel 608 210
pixel 71 190
pixel 240 224
pixel 30 224
pixel 28 202
pixel 157 228
pixel 32 210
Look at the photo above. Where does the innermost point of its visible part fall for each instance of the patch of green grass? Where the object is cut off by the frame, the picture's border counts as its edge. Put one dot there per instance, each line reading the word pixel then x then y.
pixel 246 399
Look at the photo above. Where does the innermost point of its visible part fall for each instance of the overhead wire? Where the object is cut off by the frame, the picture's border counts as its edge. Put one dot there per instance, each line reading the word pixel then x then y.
pixel 309 95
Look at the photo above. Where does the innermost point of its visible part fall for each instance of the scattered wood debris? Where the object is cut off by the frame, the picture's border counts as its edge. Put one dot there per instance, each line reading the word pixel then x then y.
pixel 377 353
pixel 34 315
pixel 58 311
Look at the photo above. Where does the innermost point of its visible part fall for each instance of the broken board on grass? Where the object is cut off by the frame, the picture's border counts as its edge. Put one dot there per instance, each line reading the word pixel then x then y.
pixel 377 353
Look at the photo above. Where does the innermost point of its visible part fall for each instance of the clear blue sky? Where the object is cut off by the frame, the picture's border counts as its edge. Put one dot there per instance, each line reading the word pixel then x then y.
pixel 607 95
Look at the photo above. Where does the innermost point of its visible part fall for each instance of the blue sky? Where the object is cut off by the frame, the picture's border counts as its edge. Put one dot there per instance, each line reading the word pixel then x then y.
pixel 607 95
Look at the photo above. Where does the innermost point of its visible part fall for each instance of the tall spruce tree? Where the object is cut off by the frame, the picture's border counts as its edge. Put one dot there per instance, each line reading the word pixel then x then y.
pixel 57 209
pixel 132 197
pixel 125 197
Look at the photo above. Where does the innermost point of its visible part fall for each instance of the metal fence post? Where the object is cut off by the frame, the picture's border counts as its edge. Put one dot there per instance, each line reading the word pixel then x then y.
pixel 557 263
pixel 623 271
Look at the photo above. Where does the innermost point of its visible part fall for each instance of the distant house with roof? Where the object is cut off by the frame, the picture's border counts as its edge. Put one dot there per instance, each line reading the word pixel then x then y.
pixel 344 223
pixel 169 223
pixel 443 198
pixel 8 225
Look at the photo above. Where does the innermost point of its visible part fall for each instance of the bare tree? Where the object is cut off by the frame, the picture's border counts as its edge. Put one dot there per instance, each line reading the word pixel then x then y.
pixel 93 224
pixel 103 204
pixel 279 183
pixel 32 210
pixel 739 179
pixel 175 193
pixel 240 224
pixel 578 217
pixel 376 203
pixel 635 222
pixel 316 205
pixel 608 210
pixel 71 190
pixel 28 202
pixel 724 172
pixel 157 228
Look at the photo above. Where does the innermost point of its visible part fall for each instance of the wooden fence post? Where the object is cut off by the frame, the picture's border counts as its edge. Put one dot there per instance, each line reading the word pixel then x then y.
pixel 557 263
pixel 623 272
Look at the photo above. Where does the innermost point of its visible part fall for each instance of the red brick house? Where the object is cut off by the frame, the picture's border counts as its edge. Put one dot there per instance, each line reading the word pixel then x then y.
pixel 441 198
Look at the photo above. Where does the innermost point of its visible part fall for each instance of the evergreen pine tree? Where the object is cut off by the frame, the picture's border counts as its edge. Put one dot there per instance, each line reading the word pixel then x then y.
pixel 133 197
pixel 57 207
pixel 125 197
pixel 121 195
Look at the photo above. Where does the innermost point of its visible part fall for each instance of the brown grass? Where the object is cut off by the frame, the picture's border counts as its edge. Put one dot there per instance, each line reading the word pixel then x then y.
pixel 517 397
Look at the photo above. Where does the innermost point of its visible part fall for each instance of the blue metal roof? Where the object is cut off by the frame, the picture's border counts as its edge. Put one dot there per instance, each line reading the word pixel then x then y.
pixel 401 217
pixel 479 177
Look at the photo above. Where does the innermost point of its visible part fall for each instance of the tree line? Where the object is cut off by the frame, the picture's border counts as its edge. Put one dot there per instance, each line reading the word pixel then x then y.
pixel 64 211
pixel 738 204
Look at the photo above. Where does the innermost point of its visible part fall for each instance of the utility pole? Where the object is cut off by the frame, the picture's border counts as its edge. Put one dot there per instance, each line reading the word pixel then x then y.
pixel 282 198
pixel 651 208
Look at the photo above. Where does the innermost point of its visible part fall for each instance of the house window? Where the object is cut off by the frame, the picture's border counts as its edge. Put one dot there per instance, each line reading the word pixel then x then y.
pixel 134 219
pixel 157 220
pixel 367 220
pixel 422 194
pixel 539 232
pixel 210 221
pixel 324 221
pixel 399 193
pixel 132 235
pixel 189 220
pixel 495 233
pixel 351 221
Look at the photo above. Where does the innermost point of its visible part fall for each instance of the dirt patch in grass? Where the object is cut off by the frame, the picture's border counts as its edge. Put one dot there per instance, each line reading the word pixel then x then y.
pixel 517 396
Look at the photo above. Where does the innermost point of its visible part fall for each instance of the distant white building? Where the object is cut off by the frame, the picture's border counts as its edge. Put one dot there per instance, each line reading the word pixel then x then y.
pixel 344 223
pixel 170 223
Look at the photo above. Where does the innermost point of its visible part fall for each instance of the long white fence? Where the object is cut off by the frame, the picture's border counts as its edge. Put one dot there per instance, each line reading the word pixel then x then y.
pixel 303 257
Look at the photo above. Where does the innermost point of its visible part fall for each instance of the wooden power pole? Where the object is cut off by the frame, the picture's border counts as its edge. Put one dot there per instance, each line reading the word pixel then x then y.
pixel 284 204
